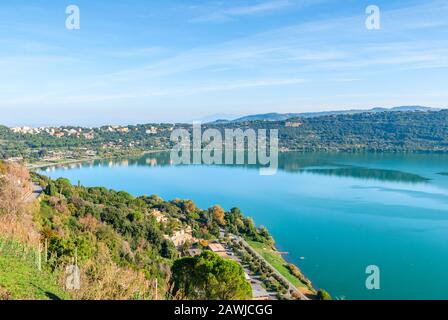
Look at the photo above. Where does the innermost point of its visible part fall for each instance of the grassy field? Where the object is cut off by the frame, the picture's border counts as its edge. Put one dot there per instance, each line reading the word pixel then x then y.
pixel 21 281
pixel 276 260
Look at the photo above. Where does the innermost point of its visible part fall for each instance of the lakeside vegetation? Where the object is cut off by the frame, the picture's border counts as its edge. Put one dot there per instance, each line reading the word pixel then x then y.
pixel 127 251
pixel 275 274
pixel 274 258
pixel 210 277
pixel 126 247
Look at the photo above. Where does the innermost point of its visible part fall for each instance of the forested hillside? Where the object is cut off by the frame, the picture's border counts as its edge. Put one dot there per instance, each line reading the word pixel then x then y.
pixel 413 131
pixel 379 132
pixel 387 131
pixel 126 247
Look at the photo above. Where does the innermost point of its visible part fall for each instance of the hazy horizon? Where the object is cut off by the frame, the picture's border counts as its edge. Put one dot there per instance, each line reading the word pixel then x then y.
pixel 205 119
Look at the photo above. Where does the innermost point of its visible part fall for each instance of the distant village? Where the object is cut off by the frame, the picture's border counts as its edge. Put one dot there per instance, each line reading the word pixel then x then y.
pixel 40 143
pixel 87 133
pixel 109 140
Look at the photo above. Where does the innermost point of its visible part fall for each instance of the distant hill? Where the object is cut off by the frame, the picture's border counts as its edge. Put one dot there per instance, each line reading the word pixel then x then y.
pixel 285 116
pixel 410 131
pixel 414 129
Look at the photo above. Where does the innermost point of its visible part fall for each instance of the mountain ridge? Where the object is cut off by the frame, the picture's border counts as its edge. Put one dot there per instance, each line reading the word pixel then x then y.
pixel 273 116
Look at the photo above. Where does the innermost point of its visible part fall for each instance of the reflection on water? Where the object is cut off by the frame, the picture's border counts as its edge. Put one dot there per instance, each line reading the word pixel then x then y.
pixel 341 211
pixel 291 162
pixel 367 173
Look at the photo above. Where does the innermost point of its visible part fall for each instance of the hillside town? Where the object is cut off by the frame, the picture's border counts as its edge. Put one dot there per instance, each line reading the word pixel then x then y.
pixel 79 132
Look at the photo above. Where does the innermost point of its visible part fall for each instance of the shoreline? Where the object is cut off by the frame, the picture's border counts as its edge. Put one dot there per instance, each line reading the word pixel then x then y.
pixel 306 288
pixel 31 166
pixel 39 165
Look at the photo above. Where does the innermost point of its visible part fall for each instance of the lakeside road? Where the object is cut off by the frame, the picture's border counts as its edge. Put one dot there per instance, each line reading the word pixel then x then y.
pixel 290 284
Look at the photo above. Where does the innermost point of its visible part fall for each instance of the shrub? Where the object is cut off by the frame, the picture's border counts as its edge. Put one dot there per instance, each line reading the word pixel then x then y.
pixel 323 295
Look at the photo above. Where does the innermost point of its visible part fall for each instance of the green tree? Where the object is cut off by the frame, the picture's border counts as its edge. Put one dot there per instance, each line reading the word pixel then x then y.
pixel 51 189
pixel 188 206
pixel 217 213
pixel 168 250
pixel 210 277
pixel 323 295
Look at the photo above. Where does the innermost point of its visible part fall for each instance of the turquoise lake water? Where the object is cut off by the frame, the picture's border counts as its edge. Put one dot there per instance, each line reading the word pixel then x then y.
pixel 335 214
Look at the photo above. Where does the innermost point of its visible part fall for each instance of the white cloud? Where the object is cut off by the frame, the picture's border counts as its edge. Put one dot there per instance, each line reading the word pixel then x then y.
pixel 227 14
pixel 258 8
pixel 135 52
pixel 82 98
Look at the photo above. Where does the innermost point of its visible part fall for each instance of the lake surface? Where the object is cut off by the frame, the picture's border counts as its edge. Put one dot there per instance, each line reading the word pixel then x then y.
pixel 335 214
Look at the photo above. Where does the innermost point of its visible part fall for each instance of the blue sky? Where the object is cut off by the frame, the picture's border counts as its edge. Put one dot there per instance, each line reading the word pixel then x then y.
pixel 140 61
